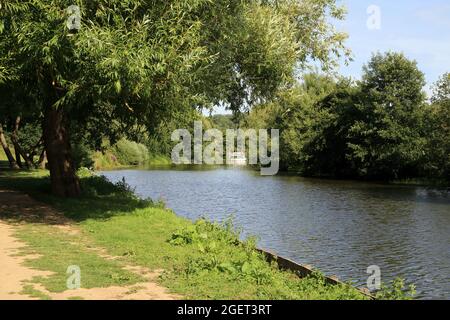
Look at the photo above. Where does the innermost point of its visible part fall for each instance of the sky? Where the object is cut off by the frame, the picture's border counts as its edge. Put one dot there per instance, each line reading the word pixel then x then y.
pixel 418 28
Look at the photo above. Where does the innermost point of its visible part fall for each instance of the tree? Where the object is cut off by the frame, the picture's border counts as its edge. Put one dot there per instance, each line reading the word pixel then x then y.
pixel 302 123
pixel 12 162
pixel 271 40
pixel 437 164
pixel 371 129
pixel 388 140
pixel 441 91
pixel 330 155
pixel 314 118
pixel 133 62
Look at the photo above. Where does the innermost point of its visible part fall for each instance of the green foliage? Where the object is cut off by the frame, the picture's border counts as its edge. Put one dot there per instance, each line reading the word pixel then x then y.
pixel 210 240
pixel 158 140
pixel 134 63
pixel 95 186
pixel 203 232
pixel 442 89
pixel 32 292
pixel 222 122
pixel 82 156
pixel 224 255
pixel 30 135
pixel 127 153
pixel 269 40
pixel 131 153
pixel 387 141
pixel 104 160
pixel 312 117
pixel 437 163
pixel 379 128
pixel 159 160
pixel 306 122
pixel 396 291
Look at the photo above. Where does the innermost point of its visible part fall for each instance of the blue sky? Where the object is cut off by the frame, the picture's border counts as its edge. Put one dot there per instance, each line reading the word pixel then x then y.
pixel 418 28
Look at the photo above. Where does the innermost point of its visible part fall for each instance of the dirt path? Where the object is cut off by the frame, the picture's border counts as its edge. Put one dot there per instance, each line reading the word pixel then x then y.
pixel 12 271
pixel 16 207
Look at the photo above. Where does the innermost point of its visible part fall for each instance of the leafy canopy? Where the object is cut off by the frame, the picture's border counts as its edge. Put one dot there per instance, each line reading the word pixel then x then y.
pixel 135 61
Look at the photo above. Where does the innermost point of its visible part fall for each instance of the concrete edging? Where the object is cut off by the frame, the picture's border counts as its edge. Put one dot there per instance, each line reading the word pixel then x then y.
pixel 304 270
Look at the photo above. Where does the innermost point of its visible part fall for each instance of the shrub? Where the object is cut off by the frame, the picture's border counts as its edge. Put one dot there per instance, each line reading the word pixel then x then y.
pixel 131 153
pixel 396 290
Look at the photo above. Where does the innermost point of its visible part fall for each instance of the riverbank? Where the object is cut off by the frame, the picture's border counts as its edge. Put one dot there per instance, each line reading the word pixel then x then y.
pixel 109 161
pixel 106 162
pixel 194 261
pixel 417 181
pixel 37 242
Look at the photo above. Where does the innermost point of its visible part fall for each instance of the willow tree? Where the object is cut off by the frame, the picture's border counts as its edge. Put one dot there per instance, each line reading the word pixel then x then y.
pixel 110 65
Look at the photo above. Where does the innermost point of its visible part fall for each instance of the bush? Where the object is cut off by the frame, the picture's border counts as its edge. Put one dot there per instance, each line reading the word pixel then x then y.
pixel 396 290
pixel 131 153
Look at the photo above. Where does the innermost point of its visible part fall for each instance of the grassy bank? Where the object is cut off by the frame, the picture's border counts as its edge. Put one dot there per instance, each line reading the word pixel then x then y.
pixel 200 261
pixel 108 161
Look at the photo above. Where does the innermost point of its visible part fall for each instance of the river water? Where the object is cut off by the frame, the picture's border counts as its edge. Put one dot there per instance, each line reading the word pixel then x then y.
pixel 340 227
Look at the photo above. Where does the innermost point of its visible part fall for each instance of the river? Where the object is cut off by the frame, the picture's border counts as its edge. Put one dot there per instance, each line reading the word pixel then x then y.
pixel 340 227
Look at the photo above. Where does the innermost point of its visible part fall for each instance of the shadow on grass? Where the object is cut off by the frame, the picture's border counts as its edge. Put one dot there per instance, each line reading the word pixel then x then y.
pixel 100 198
pixel 4 165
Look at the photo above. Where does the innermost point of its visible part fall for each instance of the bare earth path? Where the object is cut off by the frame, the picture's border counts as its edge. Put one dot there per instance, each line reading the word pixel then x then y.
pixel 13 273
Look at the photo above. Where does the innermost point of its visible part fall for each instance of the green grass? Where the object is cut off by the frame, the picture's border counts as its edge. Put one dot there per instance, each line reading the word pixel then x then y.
pixel 200 261
pixel 105 160
pixel 159 160
pixel 214 266
pixel 108 161
pixel 29 290
pixel 58 250
pixel 3 155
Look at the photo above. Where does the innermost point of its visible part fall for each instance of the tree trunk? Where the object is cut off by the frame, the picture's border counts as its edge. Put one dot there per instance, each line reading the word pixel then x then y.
pixel 12 161
pixel 42 159
pixel 18 148
pixel 18 158
pixel 63 177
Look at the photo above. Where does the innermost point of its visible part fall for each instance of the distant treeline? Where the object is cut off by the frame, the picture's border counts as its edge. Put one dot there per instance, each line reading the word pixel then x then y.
pixel 382 127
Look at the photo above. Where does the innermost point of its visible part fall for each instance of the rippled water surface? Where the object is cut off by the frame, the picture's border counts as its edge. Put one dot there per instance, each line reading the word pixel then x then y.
pixel 340 227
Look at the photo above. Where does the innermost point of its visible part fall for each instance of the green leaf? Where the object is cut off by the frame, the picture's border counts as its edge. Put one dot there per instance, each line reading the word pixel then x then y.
pixel 118 86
